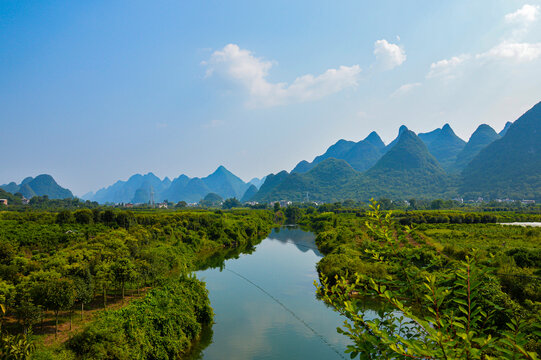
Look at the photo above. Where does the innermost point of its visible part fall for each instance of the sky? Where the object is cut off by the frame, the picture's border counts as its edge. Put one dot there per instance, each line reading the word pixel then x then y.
pixel 93 92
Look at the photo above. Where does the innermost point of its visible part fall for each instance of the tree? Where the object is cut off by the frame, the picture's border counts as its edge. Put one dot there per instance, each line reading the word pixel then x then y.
pixel 104 278
pixel 60 295
pixel 181 205
pixel 64 217
pixel 83 216
pixel 108 216
pixel 436 204
pixel 123 271
pixel 231 203
pixel 293 214
pixel 26 309
pixel 84 288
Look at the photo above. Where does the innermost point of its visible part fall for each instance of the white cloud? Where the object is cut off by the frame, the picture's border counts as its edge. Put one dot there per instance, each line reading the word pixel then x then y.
pixel 526 14
pixel 388 55
pixel 446 68
pixel 519 52
pixel 251 73
pixel 405 89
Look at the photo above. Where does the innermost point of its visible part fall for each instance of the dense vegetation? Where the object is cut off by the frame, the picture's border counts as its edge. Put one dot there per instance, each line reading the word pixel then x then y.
pixel 53 263
pixel 373 255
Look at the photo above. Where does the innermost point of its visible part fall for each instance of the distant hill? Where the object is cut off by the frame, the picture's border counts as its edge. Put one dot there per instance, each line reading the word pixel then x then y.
pixel 173 193
pixel 249 194
pixel 505 128
pixel 125 191
pixel 211 199
pixel 444 145
pixel 225 183
pixel 137 188
pixel 361 155
pixel 39 186
pixel 481 138
pixel 257 182
pixel 511 166
pixel 270 183
pixel 337 151
pixel 364 154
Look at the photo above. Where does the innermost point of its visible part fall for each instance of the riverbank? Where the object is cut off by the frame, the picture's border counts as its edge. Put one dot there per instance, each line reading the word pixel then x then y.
pixel 401 258
pixel 108 255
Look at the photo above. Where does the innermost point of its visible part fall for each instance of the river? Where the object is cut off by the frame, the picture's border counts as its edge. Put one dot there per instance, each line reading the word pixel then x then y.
pixel 265 305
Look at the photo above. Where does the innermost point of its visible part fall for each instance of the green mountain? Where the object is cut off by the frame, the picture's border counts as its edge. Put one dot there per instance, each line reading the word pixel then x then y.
pixel 249 194
pixel 270 183
pixel 337 151
pixel 26 191
pixel 511 166
pixel 361 155
pixel 327 181
pixel 302 167
pixel 481 138
pixel 402 129
pixel 428 137
pixel 444 145
pixel 364 154
pixel 12 187
pixel 40 185
pixel 407 170
pixel 225 183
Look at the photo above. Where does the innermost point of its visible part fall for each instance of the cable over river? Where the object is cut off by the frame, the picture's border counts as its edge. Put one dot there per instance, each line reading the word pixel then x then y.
pixel 265 305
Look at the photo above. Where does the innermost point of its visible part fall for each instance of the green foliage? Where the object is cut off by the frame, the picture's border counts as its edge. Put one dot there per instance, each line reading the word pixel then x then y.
pixel 452 324
pixel 56 261
pixel 367 248
pixel 160 326
pixel 231 203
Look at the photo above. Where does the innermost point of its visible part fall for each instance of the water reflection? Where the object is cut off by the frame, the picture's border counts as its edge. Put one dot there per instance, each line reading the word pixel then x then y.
pixel 266 306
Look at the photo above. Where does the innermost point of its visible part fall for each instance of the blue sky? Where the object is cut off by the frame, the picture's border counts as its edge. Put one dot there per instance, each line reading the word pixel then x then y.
pixel 93 92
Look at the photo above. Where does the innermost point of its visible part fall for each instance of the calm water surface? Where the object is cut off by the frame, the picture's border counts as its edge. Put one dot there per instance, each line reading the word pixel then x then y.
pixel 265 305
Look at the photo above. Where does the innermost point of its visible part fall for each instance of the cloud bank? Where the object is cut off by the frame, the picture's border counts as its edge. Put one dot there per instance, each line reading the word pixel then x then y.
pixel 242 67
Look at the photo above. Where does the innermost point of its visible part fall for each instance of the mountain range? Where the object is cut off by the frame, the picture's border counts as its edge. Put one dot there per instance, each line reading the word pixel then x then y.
pixel 39 186
pixel 138 188
pixel 426 165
